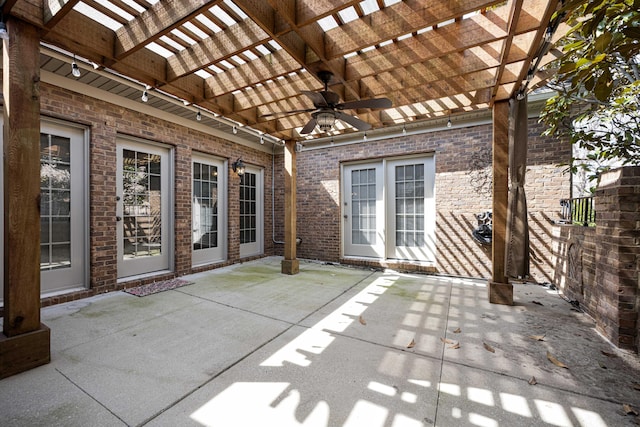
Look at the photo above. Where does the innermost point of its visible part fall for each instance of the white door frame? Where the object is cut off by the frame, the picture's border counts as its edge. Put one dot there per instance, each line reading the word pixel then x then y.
pixel 145 265
pixel 62 280
pixel 218 253
pixel 385 214
pixel 257 247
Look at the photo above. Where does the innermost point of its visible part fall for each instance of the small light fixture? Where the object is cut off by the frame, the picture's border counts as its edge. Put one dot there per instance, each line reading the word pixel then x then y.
pixel 520 96
pixel 298 147
pixel 404 129
pixel 548 34
pixel 4 35
pixel 235 130
pixel 238 167
pixel 75 70
pixel 364 138
pixel 325 120
pixel 449 121
pixel 199 116
pixel 145 96
pixel 261 139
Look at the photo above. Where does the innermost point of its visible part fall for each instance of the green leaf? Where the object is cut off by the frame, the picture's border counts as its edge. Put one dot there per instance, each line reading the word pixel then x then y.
pixel 602 42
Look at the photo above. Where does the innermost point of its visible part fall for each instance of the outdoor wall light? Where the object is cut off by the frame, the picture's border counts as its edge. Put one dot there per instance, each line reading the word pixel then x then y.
pixel 75 70
pixel 238 167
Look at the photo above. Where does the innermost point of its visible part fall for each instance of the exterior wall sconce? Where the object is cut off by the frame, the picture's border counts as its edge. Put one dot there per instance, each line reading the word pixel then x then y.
pixel 238 167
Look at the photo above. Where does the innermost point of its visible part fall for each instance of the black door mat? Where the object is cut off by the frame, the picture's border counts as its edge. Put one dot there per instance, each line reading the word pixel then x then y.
pixel 154 288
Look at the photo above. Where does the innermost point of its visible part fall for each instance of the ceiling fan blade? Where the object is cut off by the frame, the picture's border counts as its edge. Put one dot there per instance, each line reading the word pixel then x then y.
pixel 331 98
pixel 308 128
pixel 285 113
pixel 366 103
pixel 317 98
pixel 353 121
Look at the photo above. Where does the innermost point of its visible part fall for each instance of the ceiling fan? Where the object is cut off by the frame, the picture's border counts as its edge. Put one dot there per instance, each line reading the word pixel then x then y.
pixel 327 108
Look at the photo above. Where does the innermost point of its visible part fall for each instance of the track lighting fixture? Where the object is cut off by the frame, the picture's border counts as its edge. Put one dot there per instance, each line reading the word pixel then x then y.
pixel 261 139
pixel 75 70
pixel 199 116
pixel 364 138
pixel 235 130
pixel 404 129
pixel 449 121
pixel 145 96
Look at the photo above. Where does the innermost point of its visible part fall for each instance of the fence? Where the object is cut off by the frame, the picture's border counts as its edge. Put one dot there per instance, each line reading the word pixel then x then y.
pixel 579 211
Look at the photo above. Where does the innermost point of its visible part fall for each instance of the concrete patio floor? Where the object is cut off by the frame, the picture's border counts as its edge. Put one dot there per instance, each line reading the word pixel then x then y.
pixel 332 346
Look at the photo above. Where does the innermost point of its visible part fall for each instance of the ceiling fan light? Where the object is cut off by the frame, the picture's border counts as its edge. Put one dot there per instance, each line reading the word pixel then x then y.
pixel 325 121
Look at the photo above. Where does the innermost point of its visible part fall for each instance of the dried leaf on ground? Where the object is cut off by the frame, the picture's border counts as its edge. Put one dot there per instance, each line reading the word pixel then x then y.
pixel 537 337
pixel 488 347
pixel 537 302
pixel 608 354
pixel 636 386
pixel 457 331
pixel 362 321
pixel 555 361
pixel 446 340
pixel 411 344
pixel 533 381
pixel 602 365
pixel 455 346
pixel 628 409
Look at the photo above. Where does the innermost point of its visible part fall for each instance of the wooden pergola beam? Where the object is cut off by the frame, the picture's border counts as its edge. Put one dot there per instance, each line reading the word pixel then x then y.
pixel 500 291
pixel 290 264
pixel 155 22
pixel 25 342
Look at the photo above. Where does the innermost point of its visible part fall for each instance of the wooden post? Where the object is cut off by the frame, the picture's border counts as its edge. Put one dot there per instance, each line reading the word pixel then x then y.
pixel 499 289
pixel 25 342
pixel 290 265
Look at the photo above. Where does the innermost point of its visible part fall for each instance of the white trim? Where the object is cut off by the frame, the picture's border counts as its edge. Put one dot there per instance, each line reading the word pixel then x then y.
pixel 223 167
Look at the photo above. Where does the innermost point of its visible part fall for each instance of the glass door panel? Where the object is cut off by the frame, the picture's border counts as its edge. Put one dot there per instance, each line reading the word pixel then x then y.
pixel 411 205
pixel 208 207
pixel 363 218
pixel 251 212
pixel 143 206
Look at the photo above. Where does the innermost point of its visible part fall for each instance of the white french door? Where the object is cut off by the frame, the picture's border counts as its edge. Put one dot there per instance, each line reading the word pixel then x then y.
pixel 363 210
pixel 143 208
pixel 389 209
pixel 208 209
pixel 63 208
pixel 251 212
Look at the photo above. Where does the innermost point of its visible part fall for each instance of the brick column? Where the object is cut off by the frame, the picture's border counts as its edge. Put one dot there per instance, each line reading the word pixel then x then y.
pixel 617 204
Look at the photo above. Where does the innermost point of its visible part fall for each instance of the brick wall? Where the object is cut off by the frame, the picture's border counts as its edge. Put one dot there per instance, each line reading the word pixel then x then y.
pixel 107 121
pixel 600 267
pixel 463 179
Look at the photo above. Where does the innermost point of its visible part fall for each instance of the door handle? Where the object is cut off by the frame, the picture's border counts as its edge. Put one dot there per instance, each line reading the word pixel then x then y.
pixel 118 218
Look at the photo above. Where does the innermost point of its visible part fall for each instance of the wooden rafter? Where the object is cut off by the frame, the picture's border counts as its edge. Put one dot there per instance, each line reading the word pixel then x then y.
pixel 428 57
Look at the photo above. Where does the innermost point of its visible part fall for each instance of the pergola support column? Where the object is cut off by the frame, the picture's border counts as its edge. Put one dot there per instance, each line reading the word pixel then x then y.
pixel 500 290
pixel 290 265
pixel 25 342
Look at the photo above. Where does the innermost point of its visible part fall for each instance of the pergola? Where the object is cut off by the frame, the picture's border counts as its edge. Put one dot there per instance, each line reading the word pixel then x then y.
pixel 239 60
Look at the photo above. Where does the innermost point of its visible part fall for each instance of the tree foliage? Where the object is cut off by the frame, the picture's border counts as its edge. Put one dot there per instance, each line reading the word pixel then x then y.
pixel 598 82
